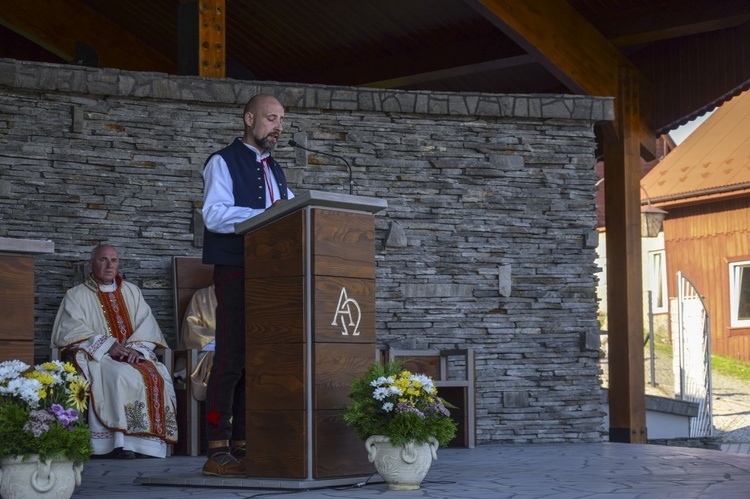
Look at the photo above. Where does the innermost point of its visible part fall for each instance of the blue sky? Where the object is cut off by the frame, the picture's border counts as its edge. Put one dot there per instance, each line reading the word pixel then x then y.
pixel 682 133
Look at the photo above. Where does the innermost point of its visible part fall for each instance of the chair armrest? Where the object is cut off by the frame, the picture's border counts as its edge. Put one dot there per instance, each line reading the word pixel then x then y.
pixel 166 357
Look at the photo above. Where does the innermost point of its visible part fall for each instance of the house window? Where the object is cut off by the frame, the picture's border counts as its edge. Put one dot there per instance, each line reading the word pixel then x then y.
pixel 739 293
pixel 657 277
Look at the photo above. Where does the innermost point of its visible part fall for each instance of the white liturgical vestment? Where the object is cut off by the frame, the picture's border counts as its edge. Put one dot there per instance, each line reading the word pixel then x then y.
pixel 132 405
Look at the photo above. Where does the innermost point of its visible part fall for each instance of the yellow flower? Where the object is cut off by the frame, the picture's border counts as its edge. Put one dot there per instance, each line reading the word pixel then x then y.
pixel 49 366
pixel 402 384
pixel 79 388
pixel 43 378
pixel 69 368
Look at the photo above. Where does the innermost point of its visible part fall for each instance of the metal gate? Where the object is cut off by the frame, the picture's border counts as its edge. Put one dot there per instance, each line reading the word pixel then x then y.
pixel 691 335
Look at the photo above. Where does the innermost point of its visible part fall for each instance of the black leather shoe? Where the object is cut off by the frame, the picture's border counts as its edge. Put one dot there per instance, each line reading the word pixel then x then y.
pixel 121 453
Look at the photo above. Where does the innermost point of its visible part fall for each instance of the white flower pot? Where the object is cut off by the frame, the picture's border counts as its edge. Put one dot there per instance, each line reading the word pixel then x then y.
pixel 402 467
pixel 34 479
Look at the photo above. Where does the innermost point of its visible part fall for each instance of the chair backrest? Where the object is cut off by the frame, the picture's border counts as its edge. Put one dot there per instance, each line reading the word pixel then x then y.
pixel 454 373
pixel 444 366
pixel 425 362
pixel 190 274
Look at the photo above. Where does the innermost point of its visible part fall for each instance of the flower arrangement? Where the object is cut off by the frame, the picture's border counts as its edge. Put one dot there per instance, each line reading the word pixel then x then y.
pixel 405 407
pixel 41 409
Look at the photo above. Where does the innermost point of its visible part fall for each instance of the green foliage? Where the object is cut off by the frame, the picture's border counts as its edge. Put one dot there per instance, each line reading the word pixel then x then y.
pixel 40 412
pixel 402 406
pixel 729 366
pixel 74 444
pixel 720 364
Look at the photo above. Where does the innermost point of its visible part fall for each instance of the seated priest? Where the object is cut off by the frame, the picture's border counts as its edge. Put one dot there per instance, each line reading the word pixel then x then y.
pixel 199 333
pixel 109 327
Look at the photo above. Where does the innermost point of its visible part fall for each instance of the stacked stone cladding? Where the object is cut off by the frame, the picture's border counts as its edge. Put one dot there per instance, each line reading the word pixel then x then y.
pixel 486 241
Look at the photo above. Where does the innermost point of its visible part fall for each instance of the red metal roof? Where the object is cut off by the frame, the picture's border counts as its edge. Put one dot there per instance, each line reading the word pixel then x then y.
pixel 713 162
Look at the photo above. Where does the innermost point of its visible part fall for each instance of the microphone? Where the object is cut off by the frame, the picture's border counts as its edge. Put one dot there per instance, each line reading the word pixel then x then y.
pixel 351 182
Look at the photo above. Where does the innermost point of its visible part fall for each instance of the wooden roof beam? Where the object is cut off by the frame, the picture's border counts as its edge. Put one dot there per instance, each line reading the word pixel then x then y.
pixel 667 33
pixel 417 66
pixel 586 63
pixel 61 24
pixel 468 69
pixel 652 22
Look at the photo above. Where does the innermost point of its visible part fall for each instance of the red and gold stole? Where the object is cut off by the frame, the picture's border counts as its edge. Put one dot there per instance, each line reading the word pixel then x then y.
pixel 116 313
pixel 119 325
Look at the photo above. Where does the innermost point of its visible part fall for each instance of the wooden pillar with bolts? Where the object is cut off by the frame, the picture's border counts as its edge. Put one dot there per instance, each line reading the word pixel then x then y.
pixel 622 170
pixel 202 38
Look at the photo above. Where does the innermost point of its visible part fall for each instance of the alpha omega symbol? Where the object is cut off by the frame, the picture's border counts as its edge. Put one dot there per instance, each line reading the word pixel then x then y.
pixel 348 314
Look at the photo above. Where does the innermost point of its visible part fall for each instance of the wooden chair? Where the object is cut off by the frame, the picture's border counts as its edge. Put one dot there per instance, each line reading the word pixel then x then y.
pixel 189 275
pixel 454 374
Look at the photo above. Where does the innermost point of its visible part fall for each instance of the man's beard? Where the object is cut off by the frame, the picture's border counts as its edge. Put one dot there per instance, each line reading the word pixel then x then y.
pixel 265 144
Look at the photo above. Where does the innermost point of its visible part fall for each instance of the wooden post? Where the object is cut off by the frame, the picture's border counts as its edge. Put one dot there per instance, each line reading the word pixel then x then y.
pixel 622 171
pixel 202 38
pixel 212 38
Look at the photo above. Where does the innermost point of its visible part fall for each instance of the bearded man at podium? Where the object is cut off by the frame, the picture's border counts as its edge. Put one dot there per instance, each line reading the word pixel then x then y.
pixel 240 182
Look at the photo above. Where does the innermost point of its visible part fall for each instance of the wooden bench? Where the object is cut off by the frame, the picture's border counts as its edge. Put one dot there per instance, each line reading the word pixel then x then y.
pixel 454 374
pixel 189 275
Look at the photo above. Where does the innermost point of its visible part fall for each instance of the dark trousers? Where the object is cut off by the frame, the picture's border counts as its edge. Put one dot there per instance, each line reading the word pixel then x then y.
pixel 225 393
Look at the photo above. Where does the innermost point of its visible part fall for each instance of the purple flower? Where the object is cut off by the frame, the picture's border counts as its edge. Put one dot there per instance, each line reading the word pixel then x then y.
pixel 66 417
pixel 56 409
pixel 36 428
pixel 41 416
pixel 404 407
pixel 39 422
pixel 436 405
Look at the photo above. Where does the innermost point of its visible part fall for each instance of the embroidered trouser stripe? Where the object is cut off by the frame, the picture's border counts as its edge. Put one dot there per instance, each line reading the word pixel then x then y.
pixel 225 392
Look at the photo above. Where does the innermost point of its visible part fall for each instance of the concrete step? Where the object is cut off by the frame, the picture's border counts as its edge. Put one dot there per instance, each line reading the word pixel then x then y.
pixel 737 448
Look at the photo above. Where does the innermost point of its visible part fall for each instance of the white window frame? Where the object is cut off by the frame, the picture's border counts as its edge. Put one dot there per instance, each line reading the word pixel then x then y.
pixel 739 273
pixel 657 281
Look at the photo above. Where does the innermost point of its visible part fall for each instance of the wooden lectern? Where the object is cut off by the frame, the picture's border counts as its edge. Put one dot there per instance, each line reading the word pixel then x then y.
pixel 310 330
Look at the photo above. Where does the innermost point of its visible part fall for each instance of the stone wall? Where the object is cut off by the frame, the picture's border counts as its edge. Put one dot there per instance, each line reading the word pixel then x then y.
pixel 487 241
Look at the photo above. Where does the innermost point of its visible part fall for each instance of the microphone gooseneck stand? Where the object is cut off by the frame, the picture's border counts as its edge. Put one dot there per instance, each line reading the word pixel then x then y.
pixel 348 166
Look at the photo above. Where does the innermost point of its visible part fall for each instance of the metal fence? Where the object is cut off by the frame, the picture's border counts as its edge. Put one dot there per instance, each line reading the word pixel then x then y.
pixel 691 335
pixel 678 366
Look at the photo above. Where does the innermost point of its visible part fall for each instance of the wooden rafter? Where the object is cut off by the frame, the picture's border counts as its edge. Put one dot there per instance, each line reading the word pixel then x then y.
pixel 61 24
pixel 452 72
pixel 411 65
pixel 679 31
pixel 586 63
pixel 649 23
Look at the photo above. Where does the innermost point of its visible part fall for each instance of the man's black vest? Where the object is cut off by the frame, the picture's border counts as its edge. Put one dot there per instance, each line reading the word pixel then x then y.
pixel 249 189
